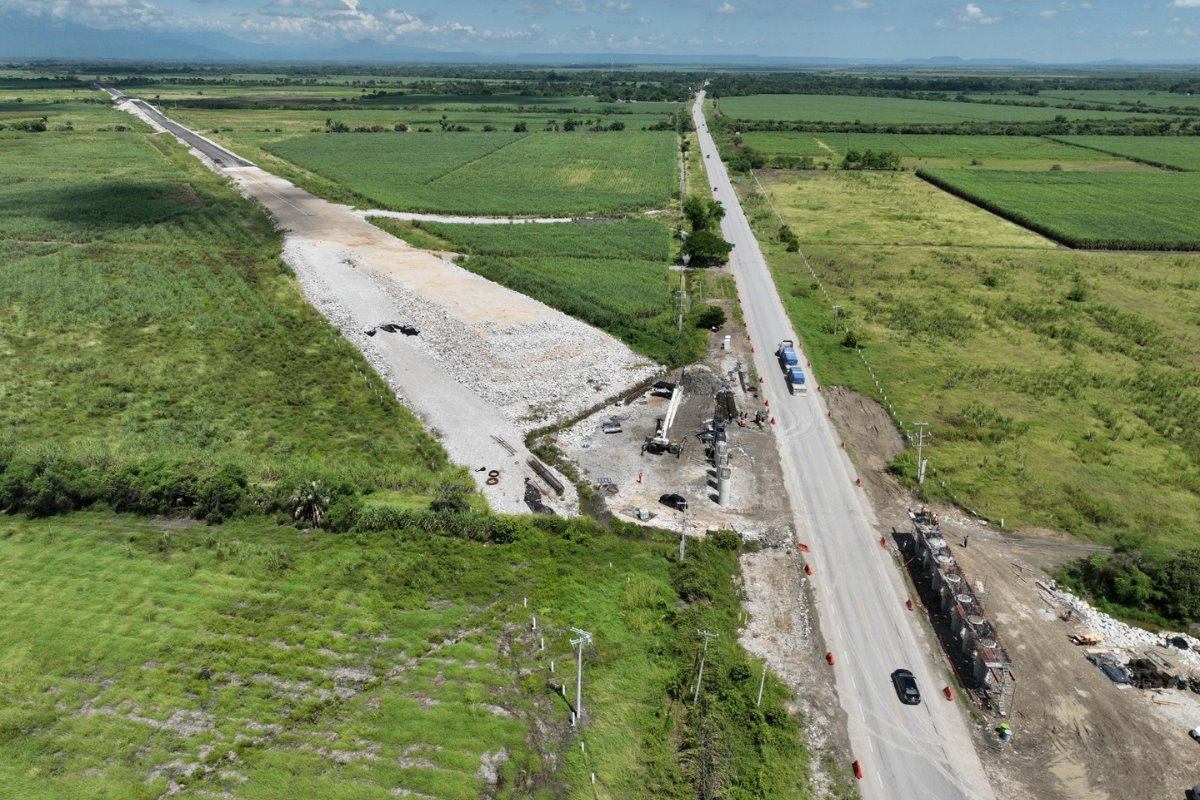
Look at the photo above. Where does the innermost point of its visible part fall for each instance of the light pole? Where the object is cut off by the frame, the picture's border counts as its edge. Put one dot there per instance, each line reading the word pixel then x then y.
pixel 582 638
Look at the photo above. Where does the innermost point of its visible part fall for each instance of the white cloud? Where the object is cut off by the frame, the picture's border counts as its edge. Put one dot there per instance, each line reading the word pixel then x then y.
pixel 1185 3
pixel 1049 12
pixel 973 14
pixel 103 14
pixel 1140 34
pixel 727 8
pixel 854 5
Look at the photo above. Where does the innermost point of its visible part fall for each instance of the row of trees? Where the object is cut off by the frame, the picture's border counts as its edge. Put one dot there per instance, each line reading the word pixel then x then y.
pixel 1135 582
pixel 703 246
pixel 891 82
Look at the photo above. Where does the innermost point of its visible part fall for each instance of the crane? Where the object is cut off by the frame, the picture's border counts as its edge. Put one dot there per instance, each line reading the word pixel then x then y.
pixel 659 442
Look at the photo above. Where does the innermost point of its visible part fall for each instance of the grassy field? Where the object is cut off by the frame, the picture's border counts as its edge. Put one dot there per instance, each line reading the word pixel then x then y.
pixel 498 173
pixel 942 150
pixel 1059 385
pixel 844 108
pixel 255 661
pixel 1114 97
pixel 1180 152
pixel 615 275
pixel 147 315
pixel 1135 211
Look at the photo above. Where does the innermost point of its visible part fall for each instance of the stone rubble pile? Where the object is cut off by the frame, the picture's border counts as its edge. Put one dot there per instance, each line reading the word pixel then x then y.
pixel 1114 633
pixel 534 373
pixel 322 298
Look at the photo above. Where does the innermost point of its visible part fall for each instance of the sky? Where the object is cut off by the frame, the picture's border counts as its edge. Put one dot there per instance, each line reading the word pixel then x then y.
pixel 1038 30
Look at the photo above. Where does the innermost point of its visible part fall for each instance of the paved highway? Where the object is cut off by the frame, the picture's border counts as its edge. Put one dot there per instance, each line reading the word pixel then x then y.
pixel 211 150
pixel 921 752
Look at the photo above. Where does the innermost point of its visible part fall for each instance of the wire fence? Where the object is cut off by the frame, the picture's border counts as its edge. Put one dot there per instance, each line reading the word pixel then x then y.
pixel 879 386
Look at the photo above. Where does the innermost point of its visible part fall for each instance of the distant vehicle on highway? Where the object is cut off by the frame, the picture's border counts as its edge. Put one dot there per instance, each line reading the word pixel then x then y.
pixel 675 501
pixel 906 687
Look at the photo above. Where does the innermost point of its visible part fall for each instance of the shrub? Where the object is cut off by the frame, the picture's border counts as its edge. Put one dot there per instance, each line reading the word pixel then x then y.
pixel 711 317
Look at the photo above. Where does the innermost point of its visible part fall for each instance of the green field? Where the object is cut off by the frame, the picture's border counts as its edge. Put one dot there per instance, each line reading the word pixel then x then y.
pixel 614 276
pixel 1060 386
pixel 264 662
pixel 1114 97
pixel 940 150
pixel 496 174
pixel 1180 152
pixel 148 317
pixel 845 108
pixel 1134 211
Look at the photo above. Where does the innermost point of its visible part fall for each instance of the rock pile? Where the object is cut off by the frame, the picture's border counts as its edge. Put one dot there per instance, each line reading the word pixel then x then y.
pixel 533 373
pixel 1114 633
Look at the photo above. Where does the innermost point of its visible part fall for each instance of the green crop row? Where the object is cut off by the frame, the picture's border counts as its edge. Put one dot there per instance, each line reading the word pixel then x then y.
pixel 496 174
pixel 1130 211
pixel 1019 152
pixel 858 108
pixel 1170 152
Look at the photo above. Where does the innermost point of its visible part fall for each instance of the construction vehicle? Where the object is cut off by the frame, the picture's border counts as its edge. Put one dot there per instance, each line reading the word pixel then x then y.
pixel 789 362
pixel 795 380
pixel 660 441
pixel 786 353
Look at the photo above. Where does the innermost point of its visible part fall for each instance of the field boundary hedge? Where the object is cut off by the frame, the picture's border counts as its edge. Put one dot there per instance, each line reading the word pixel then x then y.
pixel 1045 230
pixel 1138 159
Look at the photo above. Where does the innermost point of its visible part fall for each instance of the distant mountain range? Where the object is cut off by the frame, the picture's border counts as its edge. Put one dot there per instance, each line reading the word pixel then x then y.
pixel 23 38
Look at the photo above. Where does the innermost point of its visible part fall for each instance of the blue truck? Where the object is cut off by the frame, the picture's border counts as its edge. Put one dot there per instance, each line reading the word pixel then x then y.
pixel 795 380
pixel 789 362
pixel 786 353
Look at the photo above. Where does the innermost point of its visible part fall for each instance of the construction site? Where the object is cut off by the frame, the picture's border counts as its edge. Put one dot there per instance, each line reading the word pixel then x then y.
pixel 691 451
pixel 1089 704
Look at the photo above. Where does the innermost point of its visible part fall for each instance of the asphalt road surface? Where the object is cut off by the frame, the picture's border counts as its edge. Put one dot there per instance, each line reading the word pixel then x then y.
pixel 211 150
pixel 921 752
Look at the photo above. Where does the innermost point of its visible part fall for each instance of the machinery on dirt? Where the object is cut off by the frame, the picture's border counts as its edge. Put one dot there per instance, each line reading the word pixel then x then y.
pixel 661 442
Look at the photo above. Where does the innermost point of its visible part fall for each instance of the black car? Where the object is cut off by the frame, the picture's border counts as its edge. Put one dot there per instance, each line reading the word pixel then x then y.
pixel 906 687
pixel 675 501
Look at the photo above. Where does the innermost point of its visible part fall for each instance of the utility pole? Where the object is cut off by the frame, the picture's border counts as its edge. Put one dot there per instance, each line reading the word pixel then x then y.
pixel 761 683
pixel 582 638
pixel 836 309
pixel 682 535
pixel 681 293
pixel 703 655
pixel 919 437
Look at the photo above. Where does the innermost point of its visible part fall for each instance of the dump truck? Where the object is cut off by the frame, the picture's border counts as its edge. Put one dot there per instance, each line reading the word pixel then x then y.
pixel 795 380
pixel 786 353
